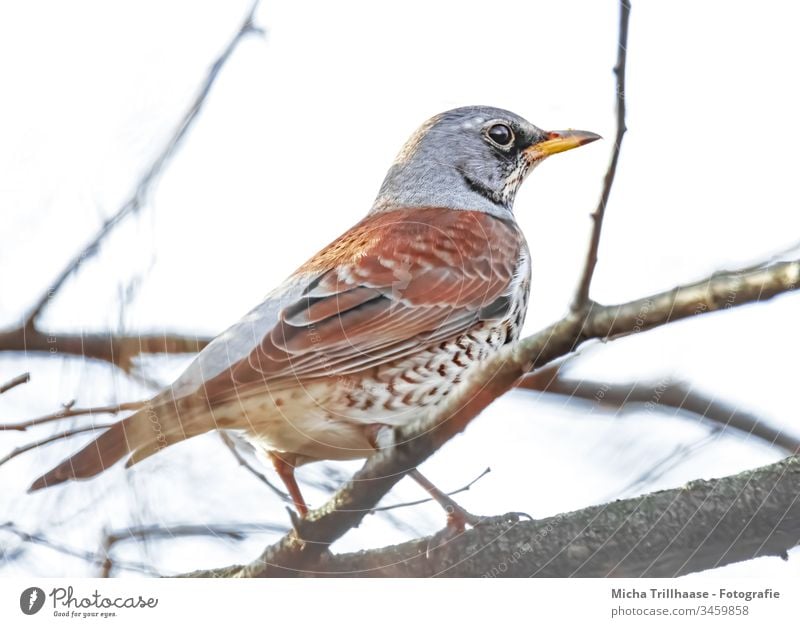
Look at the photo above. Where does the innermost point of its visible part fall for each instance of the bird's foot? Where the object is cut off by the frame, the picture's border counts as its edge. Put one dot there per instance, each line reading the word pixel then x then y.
pixel 458 519
pixel 461 518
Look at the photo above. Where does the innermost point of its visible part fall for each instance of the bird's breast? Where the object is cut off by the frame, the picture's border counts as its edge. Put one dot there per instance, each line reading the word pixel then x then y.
pixel 325 418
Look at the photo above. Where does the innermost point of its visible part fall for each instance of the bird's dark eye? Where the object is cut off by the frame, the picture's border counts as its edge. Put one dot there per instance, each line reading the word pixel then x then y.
pixel 501 135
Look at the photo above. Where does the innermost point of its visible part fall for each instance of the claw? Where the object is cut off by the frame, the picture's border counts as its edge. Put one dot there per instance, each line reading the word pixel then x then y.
pixel 503 519
pixel 519 515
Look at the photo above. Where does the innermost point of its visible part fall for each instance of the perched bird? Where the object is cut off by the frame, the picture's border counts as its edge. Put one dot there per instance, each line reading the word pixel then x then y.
pixel 379 325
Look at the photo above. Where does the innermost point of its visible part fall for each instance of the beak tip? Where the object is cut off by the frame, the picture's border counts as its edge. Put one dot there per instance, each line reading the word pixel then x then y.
pixel 560 141
pixel 587 137
pixel 584 137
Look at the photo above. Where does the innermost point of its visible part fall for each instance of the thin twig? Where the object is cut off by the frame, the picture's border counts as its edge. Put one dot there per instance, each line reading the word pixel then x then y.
pixel 230 443
pixel 233 531
pixel 62 435
pixel 141 190
pixel 679 454
pixel 18 380
pixel 229 531
pixel 581 299
pixel 465 488
pixel 68 411
pixel 87 556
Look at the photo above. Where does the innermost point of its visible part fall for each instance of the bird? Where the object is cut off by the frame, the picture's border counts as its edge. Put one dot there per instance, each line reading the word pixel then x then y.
pixel 376 328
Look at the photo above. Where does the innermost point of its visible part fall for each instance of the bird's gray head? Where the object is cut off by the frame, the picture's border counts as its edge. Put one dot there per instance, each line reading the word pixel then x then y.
pixel 471 158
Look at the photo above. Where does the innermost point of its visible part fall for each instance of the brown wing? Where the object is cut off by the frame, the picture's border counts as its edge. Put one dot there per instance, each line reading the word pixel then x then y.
pixel 395 282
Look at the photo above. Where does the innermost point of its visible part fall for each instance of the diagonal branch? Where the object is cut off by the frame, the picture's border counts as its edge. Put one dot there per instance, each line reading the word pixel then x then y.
pixel 18 380
pixel 582 296
pixel 119 349
pixel 61 435
pixel 141 190
pixel 229 441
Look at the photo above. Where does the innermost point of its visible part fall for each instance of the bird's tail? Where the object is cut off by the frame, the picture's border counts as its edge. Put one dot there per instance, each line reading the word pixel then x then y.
pixel 138 436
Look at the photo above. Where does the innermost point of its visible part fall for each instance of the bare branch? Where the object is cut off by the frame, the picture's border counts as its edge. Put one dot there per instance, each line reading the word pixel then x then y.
pixel 582 296
pixel 678 455
pixel 18 380
pixel 233 531
pixel 114 349
pixel 230 443
pixel 119 349
pixel 69 411
pixel 142 188
pixel 230 531
pixel 61 435
pixel 702 525
pixel 464 488
pixel 659 395
pixel 87 556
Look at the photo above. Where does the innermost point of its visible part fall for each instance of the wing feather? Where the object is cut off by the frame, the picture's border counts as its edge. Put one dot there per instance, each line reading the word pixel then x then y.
pixel 394 283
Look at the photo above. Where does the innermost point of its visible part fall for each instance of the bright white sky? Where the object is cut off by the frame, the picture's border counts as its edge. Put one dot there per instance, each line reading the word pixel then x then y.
pixel 290 151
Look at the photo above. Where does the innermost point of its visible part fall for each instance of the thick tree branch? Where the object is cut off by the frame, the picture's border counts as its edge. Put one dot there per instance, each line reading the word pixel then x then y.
pixel 622 397
pixel 703 525
pixel 301 549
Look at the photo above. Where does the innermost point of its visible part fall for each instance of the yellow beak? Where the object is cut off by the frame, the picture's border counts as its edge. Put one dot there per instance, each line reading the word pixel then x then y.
pixel 559 141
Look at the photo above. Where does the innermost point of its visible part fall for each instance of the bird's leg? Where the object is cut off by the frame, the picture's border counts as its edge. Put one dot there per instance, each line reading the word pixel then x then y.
pixel 285 464
pixel 381 436
pixel 457 516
